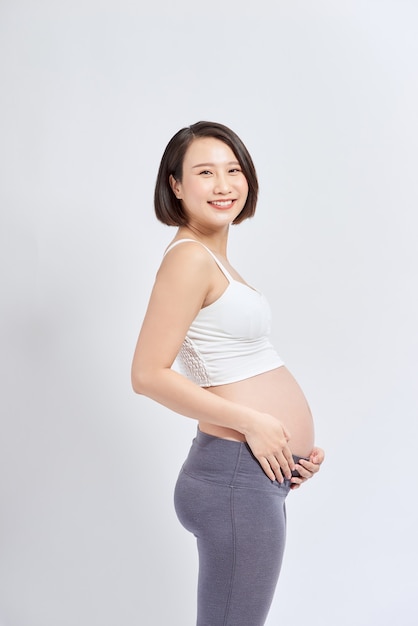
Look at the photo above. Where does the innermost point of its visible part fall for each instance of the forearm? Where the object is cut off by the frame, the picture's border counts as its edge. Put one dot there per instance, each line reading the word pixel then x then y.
pixel 182 396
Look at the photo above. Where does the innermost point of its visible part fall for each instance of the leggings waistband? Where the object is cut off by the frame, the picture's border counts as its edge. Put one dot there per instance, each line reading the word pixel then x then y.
pixel 227 462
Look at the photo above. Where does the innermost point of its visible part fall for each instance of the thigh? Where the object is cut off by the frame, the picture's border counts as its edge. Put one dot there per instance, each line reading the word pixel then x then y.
pixel 240 537
pixel 259 519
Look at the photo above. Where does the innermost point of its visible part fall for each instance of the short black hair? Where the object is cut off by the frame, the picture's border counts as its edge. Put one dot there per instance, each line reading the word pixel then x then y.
pixel 168 208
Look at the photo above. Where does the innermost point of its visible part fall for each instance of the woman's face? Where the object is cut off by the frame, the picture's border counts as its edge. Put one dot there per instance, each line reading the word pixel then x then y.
pixel 213 189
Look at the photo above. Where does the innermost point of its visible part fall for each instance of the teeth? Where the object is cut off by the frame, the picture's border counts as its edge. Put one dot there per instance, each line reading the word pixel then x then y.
pixel 222 203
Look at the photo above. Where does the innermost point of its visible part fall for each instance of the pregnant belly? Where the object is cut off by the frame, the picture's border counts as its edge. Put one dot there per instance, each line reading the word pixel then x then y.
pixel 277 393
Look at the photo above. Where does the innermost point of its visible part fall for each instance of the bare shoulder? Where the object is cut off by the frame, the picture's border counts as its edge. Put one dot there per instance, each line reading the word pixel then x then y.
pixel 179 292
pixel 188 261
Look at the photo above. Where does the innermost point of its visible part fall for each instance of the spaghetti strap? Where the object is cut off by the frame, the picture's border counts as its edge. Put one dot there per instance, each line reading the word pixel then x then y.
pixel 217 261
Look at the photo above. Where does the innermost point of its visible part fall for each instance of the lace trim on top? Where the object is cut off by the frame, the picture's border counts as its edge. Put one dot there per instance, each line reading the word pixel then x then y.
pixel 193 364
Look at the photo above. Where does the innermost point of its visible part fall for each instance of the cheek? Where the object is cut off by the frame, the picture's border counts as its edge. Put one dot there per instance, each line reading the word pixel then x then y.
pixel 193 195
pixel 244 188
pixel 199 189
pixel 242 184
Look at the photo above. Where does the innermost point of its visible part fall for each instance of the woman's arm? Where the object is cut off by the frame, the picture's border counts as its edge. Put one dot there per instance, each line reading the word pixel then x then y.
pixel 185 281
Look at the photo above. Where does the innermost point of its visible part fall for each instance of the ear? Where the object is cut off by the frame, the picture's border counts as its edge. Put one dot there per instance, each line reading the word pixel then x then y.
pixel 175 186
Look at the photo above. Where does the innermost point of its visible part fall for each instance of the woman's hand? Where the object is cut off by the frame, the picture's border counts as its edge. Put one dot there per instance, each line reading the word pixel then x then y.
pixel 268 440
pixel 306 468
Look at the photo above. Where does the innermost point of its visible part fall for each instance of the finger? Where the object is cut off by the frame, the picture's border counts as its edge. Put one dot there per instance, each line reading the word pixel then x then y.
pixel 297 480
pixel 267 468
pixel 303 472
pixel 317 456
pixel 280 464
pixel 276 468
pixel 285 460
pixel 289 461
pixel 311 467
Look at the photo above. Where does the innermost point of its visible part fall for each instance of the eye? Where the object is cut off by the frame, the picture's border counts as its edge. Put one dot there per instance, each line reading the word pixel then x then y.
pixel 235 170
pixel 205 173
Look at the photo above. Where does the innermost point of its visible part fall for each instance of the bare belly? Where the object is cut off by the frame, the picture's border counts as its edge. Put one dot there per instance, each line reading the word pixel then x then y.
pixel 277 393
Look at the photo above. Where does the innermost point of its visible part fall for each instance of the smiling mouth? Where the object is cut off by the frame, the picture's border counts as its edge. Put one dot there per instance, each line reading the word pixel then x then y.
pixel 222 204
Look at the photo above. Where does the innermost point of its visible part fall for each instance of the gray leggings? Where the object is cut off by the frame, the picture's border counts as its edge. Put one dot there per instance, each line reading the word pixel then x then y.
pixel 238 516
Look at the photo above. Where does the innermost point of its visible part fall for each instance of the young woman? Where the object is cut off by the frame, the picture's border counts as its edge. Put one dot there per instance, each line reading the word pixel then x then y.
pixel 255 436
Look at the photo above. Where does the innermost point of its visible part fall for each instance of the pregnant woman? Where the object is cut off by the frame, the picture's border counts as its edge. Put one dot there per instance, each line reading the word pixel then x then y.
pixel 255 435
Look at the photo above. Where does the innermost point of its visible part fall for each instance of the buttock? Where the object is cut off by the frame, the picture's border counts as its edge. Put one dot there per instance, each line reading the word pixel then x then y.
pixel 230 463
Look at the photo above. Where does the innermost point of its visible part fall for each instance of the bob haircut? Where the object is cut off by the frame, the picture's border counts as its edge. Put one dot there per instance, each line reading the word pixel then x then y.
pixel 168 208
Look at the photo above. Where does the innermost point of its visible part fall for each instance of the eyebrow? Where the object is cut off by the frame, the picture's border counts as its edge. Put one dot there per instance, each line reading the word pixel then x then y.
pixel 214 164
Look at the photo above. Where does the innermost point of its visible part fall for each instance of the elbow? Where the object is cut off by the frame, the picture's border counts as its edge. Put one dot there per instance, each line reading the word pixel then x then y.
pixel 137 383
pixel 141 381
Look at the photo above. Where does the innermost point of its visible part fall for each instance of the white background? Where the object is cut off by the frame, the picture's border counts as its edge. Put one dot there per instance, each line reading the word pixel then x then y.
pixel 325 96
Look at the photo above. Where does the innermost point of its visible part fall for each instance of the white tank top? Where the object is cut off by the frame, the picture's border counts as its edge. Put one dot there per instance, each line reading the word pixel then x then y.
pixel 228 339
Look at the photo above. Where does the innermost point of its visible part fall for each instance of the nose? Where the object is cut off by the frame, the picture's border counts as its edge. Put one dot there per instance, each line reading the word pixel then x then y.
pixel 222 185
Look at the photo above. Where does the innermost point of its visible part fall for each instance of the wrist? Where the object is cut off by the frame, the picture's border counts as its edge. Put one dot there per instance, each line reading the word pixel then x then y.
pixel 249 421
